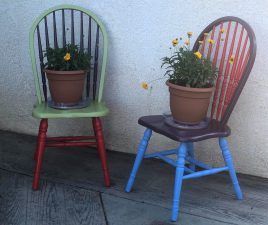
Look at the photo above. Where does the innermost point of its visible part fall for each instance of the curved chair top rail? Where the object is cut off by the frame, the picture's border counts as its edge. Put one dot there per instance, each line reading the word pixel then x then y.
pixel 233 54
pixel 36 31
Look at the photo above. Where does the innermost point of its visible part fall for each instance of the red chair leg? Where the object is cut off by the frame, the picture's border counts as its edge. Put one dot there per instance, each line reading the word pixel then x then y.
pixel 101 149
pixel 39 152
pixel 37 144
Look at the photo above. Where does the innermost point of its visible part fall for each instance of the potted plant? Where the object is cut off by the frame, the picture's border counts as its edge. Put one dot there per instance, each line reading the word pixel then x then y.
pixel 66 70
pixel 191 82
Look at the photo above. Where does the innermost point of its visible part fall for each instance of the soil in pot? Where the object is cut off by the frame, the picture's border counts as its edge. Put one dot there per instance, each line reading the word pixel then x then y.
pixel 189 105
pixel 66 87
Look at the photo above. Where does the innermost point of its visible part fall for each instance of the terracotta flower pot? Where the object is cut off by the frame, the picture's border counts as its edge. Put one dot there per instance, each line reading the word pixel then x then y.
pixel 189 105
pixel 66 86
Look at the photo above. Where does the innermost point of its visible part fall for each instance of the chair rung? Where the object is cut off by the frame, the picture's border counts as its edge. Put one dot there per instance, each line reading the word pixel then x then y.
pixel 164 152
pixel 198 163
pixel 186 169
pixel 70 138
pixel 167 160
pixel 71 144
pixel 205 173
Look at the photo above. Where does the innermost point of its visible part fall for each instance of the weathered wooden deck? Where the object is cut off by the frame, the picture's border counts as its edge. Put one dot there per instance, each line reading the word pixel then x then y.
pixel 72 191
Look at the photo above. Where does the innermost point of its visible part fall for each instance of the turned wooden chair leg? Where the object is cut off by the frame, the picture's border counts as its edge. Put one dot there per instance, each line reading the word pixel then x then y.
pixel 229 163
pixel 182 151
pixel 141 151
pixel 37 142
pixel 40 152
pixel 190 150
pixel 101 149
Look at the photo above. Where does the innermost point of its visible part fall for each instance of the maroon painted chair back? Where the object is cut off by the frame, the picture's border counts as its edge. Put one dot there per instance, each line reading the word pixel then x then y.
pixel 233 54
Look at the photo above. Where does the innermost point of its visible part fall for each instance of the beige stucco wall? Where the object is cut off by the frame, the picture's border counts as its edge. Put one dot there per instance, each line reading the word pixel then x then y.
pixel 140 32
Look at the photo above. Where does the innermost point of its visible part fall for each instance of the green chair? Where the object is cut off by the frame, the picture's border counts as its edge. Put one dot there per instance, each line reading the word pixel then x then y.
pixel 56 27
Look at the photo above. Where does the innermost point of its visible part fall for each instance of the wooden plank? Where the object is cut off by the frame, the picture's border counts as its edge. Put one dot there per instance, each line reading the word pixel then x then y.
pixel 120 211
pixel 13 199
pixel 212 196
pixel 54 204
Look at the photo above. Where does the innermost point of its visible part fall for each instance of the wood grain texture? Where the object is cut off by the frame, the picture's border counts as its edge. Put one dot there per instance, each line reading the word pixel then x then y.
pixel 122 211
pixel 80 167
pixel 13 199
pixel 54 204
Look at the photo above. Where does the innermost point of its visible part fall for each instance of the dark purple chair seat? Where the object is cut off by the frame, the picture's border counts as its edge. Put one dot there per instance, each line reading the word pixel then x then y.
pixel 158 125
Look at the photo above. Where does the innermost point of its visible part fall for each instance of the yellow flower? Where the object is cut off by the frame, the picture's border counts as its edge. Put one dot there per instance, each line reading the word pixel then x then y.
pixel 189 34
pixel 222 30
pixel 175 42
pixel 200 42
pixel 205 34
pixel 198 55
pixel 145 85
pixel 211 41
pixel 231 60
pixel 67 57
pixel 187 42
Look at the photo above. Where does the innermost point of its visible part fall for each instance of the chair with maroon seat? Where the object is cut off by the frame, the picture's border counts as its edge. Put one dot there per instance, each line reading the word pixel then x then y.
pixel 56 27
pixel 236 42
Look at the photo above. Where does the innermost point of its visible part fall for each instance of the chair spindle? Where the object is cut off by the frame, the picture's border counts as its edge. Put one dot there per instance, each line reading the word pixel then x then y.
pixel 63 29
pixel 55 31
pixel 89 52
pixel 96 57
pixel 42 66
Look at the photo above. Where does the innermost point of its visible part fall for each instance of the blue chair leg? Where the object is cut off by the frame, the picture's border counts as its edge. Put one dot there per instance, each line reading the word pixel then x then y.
pixel 178 180
pixel 190 149
pixel 141 151
pixel 229 163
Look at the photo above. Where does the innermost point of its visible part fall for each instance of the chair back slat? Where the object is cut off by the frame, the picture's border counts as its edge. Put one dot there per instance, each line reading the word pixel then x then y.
pixel 226 76
pixel 238 73
pixel 220 73
pixel 55 23
pixel 41 59
pixel 215 57
pixel 241 57
pixel 81 31
pixel 210 46
pixel 233 54
pixel 96 63
pixel 55 31
pixel 72 26
pixel 233 74
pixel 46 32
pixel 89 50
pixel 63 28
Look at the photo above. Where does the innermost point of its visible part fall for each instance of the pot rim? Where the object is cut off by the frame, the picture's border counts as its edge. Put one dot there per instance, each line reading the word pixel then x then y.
pixel 60 72
pixel 190 89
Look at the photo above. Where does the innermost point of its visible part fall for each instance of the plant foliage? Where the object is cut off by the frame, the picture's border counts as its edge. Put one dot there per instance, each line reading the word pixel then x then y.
pixel 68 58
pixel 187 68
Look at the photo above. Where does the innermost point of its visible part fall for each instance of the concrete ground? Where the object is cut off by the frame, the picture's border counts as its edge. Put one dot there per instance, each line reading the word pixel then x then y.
pixel 72 191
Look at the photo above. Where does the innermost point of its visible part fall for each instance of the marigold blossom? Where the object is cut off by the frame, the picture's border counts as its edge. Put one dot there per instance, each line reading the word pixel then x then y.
pixel 211 41
pixel 189 34
pixel 187 42
pixel 145 85
pixel 175 42
pixel 198 55
pixel 231 60
pixel 67 57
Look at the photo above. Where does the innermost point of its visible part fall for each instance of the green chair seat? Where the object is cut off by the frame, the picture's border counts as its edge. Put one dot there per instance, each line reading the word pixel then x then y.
pixel 95 109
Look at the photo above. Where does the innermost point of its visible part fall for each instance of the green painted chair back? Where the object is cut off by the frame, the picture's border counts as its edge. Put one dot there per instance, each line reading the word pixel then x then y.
pixel 65 24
